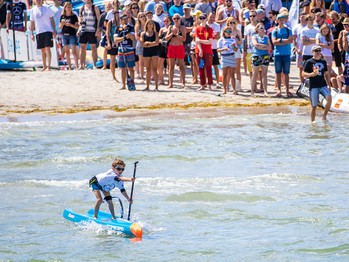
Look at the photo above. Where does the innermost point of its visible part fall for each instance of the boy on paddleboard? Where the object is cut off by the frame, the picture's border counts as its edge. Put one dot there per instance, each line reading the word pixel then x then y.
pixel 107 181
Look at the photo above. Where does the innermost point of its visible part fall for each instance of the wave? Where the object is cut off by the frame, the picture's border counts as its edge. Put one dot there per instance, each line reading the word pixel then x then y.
pixel 217 197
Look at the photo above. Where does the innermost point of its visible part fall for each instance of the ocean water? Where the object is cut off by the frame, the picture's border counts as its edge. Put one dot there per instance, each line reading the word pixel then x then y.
pixel 212 185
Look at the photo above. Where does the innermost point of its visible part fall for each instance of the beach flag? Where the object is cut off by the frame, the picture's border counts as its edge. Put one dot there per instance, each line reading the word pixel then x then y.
pixel 294 13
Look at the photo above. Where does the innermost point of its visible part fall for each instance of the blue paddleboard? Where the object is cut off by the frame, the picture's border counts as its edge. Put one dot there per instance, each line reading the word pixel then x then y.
pixel 121 225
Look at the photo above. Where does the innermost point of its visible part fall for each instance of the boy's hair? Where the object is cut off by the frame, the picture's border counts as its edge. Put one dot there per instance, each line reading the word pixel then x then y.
pixel 118 162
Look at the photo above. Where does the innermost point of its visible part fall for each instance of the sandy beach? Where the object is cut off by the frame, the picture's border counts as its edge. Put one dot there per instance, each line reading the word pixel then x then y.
pixel 60 91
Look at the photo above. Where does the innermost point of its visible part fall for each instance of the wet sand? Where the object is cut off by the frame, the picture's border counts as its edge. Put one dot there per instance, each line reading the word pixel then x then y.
pixel 56 92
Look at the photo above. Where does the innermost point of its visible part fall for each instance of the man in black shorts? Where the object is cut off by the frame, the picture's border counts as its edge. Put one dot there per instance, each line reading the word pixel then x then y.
pixel 41 20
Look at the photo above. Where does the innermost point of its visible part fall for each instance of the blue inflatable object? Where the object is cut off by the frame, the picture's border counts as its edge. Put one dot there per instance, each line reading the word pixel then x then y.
pixel 10 65
pixel 119 224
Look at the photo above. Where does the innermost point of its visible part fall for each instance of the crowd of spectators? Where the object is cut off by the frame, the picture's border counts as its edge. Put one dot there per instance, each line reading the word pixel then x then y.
pixel 217 40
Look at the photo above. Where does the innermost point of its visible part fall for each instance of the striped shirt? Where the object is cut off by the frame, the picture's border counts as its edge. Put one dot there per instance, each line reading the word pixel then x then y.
pixel 90 19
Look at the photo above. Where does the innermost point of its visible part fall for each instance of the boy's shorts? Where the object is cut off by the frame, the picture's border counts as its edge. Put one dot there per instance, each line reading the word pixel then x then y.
pixel 128 56
pixel 282 64
pixel 315 92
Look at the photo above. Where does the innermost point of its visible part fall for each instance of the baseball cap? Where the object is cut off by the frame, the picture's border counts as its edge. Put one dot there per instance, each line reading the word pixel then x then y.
pixel 316 47
pixel 186 6
pixel 280 16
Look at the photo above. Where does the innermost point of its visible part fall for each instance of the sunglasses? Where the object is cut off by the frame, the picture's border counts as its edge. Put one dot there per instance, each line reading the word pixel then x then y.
pixel 134 8
pixel 142 16
pixel 228 32
pixel 119 168
pixel 228 1
pixel 176 18
pixel 202 18
pixel 232 23
pixel 317 51
pixel 252 15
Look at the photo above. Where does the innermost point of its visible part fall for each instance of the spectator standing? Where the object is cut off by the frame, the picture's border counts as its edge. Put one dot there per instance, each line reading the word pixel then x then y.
pixel 177 8
pixel 340 6
pixel 282 39
pixel 336 28
pixel 308 36
pixel 112 44
pixel 102 22
pixel 159 15
pixel 236 34
pixel 203 6
pixel 163 49
pixel 319 81
pixel 150 6
pixel 270 5
pixel 57 10
pixel 134 8
pixel 69 24
pixel 203 37
pixel 260 57
pixel 188 21
pixel 41 20
pixel 124 36
pixel 297 42
pixel 320 19
pixel 227 46
pixel 150 42
pixel 88 31
pixel 139 28
pixel 325 39
pixel 248 33
pixel 175 37
pixel 16 17
pixel 320 4
pixel 225 12
pixel 216 33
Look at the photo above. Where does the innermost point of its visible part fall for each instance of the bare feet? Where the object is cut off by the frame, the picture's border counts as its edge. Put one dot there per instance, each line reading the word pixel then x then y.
pixel 123 88
pixel 146 89
pixel 202 88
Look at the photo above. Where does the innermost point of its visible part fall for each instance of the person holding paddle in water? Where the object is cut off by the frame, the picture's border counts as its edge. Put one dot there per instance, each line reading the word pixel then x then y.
pixel 106 182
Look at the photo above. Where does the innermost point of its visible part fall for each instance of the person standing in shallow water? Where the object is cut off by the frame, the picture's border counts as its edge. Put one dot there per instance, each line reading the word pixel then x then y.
pixel 319 81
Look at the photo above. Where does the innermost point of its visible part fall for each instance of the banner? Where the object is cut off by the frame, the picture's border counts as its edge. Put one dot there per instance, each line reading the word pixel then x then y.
pixel 294 13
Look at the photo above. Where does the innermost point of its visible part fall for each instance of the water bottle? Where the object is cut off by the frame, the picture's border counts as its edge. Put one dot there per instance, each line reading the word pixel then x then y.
pixel 202 63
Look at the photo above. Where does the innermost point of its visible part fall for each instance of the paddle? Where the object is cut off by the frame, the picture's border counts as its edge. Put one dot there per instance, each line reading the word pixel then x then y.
pixel 133 184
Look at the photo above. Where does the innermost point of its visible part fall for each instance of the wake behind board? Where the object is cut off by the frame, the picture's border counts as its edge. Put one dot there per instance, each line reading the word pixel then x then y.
pixel 340 101
pixel 120 225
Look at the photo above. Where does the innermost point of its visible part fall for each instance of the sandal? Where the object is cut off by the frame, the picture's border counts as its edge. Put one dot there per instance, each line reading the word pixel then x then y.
pixel 235 92
pixel 289 95
pixel 278 94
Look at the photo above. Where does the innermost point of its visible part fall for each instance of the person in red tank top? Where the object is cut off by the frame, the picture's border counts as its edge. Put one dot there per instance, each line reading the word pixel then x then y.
pixel 203 37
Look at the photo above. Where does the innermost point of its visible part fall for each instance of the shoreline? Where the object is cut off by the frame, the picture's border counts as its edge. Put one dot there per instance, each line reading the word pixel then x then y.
pixel 70 92
pixel 164 113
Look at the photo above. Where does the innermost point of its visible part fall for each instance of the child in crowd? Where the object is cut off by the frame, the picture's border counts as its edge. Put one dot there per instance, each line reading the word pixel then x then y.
pixel 227 47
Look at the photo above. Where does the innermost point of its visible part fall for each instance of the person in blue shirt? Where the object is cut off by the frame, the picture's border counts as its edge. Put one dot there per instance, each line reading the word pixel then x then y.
pixel 150 6
pixel 282 38
pixel 260 57
pixel 177 8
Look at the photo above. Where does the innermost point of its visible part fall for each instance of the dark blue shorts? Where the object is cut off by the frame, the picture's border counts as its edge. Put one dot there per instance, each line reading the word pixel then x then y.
pixel 282 64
